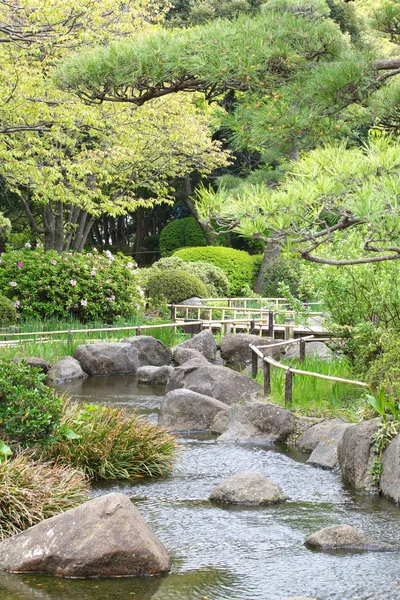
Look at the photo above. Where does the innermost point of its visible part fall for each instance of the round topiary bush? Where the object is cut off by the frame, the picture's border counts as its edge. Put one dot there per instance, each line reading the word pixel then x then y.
pixel 283 270
pixel 180 234
pixel 239 266
pixel 8 312
pixel 173 286
pixel 213 277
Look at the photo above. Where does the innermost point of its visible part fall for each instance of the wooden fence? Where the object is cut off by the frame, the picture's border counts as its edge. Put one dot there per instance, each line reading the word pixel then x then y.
pixel 290 371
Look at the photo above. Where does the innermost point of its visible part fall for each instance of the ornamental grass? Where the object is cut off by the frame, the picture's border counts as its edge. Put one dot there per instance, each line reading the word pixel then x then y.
pixel 31 491
pixel 108 443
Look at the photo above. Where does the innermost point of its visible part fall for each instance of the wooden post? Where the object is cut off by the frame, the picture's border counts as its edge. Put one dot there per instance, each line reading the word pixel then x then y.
pixel 288 388
pixel 139 331
pixel 267 378
pixel 69 342
pixel 291 329
pixel 230 302
pixel 302 351
pixel 254 364
pixel 173 313
pixel 271 324
pixel 252 326
pixel 286 331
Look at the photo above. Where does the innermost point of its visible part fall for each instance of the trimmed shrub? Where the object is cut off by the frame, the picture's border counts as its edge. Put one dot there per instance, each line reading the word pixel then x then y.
pixel 8 312
pixel 384 371
pixel 286 271
pixel 173 286
pixel 31 491
pixel 29 410
pixel 108 443
pixel 86 286
pixel 213 277
pixel 239 267
pixel 180 234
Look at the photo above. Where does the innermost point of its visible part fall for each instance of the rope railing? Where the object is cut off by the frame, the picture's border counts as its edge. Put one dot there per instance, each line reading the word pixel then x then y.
pixel 269 362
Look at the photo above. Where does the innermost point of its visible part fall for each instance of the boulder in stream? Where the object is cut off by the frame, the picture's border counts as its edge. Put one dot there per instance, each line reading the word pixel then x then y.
pixel 257 421
pixel 105 537
pixel 108 358
pixel 204 343
pixel 355 457
pixel 183 410
pixel 344 537
pixel 154 375
pixel 248 488
pixel 390 478
pixel 151 351
pixel 323 438
pixel 66 369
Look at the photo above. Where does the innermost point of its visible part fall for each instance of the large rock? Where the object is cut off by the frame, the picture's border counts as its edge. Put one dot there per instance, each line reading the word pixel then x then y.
pixel 312 436
pixel 150 350
pixel 216 381
pixel 105 537
pixel 354 452
pixel 390 478
pixel 248 488
pixel 323 439
pixel 318 349
pixel 33 361
pixel 66 369
pixel 258 421
pixel 193 301
pixel 182 355
pixel 108 358
pixel 184 410
pixel 154 375
pixel 236 352
pixel 344 537
pixel 204 343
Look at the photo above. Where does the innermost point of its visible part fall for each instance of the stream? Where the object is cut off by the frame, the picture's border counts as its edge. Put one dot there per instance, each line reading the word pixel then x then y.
pixel 235 553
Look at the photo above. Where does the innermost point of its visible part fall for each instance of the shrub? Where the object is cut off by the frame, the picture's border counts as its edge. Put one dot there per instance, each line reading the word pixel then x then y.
pixel 239 267
pixel 107 443
pixel 174 286
pixel 384 371
pixel 179 234
pixel 286 271
pixel 87 286
pixel 31 491
pixel 213 277
pixel 8 312
pixel 29 410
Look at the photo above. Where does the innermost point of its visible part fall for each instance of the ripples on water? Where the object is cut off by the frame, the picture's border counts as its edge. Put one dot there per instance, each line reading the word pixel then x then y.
pixel 235 553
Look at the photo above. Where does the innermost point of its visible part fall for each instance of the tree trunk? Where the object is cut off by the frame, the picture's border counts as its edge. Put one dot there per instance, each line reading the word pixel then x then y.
pixel 208 231
pixel 139 231
pixel 271 253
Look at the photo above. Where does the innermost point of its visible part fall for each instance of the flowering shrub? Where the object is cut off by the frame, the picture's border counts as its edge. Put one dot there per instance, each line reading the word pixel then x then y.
pixel 87 286
pixel 8 312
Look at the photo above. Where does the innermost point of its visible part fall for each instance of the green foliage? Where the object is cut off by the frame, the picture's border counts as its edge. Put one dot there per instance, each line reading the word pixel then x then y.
pixel 109 443
pixel 32 491
pixel 239 267
pixel 29 410
pixel 179 234
pixel 173 286
pixel 384 372
pixel 286 271
pixel 88 287
pixel 213 277
pixel 387 430
pixel 8 312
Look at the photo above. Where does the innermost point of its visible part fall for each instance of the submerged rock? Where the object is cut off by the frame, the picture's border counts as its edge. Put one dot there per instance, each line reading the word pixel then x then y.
pixel 258 421
pixel 108 358
pixel 204 343
pixel 235 348
pixel 183 410
pixel 151 351
pixel 66 369
pixel 216 381
pixel 105 537
pixel 248 488
pixel 154 375
pixel 344 537
pixel 354 452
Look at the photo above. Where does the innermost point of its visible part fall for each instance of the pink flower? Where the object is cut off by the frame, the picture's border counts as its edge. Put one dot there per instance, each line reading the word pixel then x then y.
pixel 94 250
pixel 93 272
pixel 129 265
pixel 108 254
pixel 53 262
pixel 84 302
pixel 111 299
pixel 16 303
pixel 13 283
pixel 28 245
pixel 20 264
pixel 72 282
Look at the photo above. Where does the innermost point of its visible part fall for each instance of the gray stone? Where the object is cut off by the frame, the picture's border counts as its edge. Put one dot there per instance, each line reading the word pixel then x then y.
pixel 236 352
pixel 216 381
pixel 33 361
pixel 311 437
pixel 299 598
pixel 325 454
pixel 184 410
pixel 66 369
pixel 182 355
pixel 193 301
pixel 354 452
pixel 390 478
pixel 150 350
pixel 154 375
pixel 105 537
pixel 312 349
pixel 108 358
pixel 204 343
pixel 248 488
pixel 220 423
pixel 258 421
pixel 344 537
